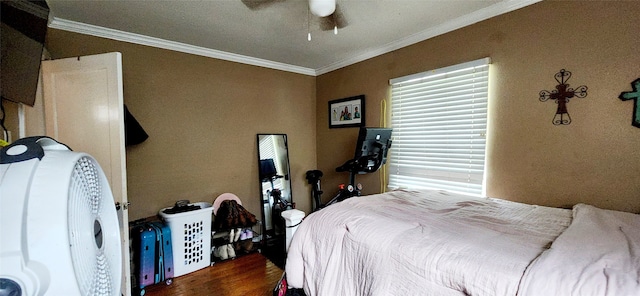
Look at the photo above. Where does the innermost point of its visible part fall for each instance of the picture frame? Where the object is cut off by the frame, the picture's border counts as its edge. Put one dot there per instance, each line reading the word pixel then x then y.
pixel 347 112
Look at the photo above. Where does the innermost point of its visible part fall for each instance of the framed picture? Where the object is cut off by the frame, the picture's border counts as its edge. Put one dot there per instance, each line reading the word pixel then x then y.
pixel 347 112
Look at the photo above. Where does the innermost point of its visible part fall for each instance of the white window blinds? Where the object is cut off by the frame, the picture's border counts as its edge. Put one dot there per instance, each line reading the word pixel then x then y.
pixel 439 121
pixel 268 150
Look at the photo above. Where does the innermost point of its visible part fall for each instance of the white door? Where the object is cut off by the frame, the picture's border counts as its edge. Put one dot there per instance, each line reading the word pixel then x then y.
pixel 83 108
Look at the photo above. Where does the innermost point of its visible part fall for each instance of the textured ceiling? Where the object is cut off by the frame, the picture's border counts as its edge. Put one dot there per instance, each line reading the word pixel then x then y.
pixel 275 34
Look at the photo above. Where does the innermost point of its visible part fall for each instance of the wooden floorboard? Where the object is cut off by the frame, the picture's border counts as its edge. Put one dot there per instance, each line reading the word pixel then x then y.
pixel 249 275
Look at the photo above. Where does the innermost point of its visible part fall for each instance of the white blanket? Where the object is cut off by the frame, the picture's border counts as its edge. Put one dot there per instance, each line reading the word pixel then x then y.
pixel 420 243
pixel 599 254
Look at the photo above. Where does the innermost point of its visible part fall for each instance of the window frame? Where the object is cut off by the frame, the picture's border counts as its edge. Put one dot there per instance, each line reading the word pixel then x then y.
pixel 465 104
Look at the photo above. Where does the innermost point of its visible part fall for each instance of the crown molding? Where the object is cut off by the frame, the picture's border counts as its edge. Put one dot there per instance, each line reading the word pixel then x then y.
pixel 87 29
pixel 469 19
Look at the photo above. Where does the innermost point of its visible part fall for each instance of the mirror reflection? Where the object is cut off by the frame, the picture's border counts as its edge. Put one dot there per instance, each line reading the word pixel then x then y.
pixel 275 184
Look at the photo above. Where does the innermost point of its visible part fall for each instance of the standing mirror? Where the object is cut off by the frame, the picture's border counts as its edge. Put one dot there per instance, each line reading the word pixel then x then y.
pixel 275 192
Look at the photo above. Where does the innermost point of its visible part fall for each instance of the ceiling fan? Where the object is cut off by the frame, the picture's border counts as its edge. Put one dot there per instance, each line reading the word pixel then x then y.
pixel 328 11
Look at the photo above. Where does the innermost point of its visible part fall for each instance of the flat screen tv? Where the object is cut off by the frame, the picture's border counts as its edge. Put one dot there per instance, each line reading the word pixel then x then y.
pixel 22 32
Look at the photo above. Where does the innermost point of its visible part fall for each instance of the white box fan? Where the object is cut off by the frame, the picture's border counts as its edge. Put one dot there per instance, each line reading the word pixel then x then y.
pixel 58 223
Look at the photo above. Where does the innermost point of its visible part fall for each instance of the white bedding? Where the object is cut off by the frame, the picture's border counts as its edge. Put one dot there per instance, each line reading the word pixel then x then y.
pixel 599 254
pixel 420 243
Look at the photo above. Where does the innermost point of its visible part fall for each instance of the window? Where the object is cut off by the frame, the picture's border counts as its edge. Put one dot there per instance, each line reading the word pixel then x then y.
pixel 439 121
pixel 268 150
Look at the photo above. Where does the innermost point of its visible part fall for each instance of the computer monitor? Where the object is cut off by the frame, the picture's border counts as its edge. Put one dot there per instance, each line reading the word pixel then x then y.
pixel 372 146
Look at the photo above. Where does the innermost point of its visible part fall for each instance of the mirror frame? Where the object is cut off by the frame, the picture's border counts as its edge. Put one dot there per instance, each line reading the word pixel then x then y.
pixel 287 176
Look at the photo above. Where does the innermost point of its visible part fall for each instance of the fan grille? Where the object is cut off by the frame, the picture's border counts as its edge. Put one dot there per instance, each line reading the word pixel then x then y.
pixel 86 203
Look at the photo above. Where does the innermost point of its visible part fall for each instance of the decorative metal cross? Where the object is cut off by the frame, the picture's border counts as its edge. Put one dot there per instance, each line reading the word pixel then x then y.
pixel 635 95
pixel 561 95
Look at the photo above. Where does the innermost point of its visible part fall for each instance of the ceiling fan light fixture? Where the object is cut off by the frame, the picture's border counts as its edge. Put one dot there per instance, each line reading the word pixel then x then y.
pixel 322 8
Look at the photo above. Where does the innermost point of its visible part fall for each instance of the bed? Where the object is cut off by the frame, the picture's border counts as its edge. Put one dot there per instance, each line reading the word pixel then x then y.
pixel 438 243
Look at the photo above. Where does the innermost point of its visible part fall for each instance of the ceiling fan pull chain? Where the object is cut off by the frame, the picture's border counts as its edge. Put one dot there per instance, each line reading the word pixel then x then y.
pixel 308 24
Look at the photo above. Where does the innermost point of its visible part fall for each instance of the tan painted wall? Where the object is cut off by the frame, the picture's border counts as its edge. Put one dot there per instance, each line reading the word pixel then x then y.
pixel 595 160
pixel 11 118
pixel 180 98
pixel 202 116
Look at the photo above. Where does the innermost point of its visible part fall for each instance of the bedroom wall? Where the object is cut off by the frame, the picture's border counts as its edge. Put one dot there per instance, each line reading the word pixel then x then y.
pixel 595 159
pixel 202 116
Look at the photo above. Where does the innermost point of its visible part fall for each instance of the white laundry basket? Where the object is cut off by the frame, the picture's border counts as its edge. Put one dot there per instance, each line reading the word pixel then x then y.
pixel 190 238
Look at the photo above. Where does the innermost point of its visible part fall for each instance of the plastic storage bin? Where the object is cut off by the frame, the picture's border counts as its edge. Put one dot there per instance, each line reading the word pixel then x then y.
pixel 190 238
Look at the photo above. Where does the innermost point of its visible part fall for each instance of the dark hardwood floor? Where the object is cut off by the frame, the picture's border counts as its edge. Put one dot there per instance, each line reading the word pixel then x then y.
pixel 249 275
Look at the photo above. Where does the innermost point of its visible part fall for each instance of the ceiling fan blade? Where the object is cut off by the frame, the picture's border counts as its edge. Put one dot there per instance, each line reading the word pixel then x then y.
pixel 258 4
pixel 337 19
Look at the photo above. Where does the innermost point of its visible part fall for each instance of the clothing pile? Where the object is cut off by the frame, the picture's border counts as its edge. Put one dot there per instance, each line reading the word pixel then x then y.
pixel 233 215
pixel 235 219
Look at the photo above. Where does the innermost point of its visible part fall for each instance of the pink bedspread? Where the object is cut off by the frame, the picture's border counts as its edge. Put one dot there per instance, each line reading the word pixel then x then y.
pixel 420 243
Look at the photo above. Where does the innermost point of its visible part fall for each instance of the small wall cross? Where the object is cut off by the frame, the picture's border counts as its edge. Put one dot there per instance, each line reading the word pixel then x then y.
pixel 633 95
pixel 561 95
